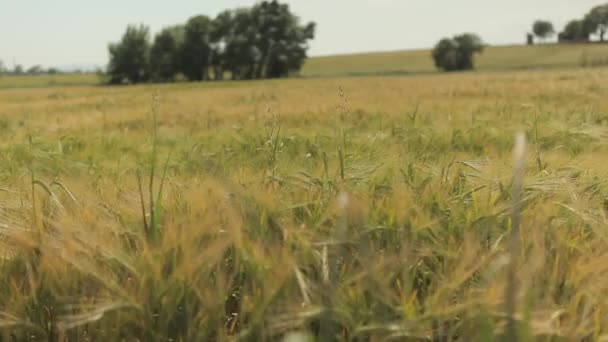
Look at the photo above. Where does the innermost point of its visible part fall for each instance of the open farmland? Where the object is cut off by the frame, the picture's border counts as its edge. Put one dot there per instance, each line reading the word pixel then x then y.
pixel 395 63
pixel 359 208
pixel 493 58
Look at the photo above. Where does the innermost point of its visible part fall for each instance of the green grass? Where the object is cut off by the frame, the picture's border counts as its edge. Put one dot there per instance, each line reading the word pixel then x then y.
pixel 39 81
pixel 393 63
pixel 420 61
pixel 356 208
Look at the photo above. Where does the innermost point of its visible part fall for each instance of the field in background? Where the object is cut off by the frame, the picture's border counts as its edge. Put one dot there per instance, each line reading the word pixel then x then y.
pixel 493 58
pixel 37 81
pixel 364 208
pixel 395 63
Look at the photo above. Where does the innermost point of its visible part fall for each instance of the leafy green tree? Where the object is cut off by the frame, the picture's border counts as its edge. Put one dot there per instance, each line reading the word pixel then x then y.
pixel 272 21
pixel 596 21
pixel 129 58
pixel 288 56
pixel 574 31
pixel 458 52
pixel 468 45
pixel 445 54
pixel 221 30
pixel 196 49
pixel 240 53
pixel 282 40
pixel 18 70
pixel 165 57
pixel 266 40
pixel 35 70
pixel 2 68
pixel 543 29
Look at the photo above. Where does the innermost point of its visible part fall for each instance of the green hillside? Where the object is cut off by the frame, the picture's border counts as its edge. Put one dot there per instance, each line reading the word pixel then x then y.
pixel 391 63
pixel 493 58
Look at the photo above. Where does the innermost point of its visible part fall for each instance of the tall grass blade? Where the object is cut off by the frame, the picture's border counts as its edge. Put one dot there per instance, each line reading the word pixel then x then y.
pixel 519 154
pixel 143 203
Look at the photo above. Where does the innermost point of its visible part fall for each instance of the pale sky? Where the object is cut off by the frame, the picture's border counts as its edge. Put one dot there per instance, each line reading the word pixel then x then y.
pixel 77 32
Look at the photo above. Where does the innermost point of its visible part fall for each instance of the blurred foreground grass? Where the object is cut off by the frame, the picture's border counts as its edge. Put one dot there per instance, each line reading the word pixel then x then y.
pixel 341 209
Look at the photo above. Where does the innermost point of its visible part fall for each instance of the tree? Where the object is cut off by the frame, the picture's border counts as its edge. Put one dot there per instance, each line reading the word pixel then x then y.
pixel 446 55
pixel 241 53
pixel 272 21
pixel 574 31
pixel 543 29
pixel 596 21
pixel 283 41
pixel 165 54
pixel 221 30
pixel 18 70
pixel 288 55
pixel 129 58
pixel 2 68
pixel 35 70
pixel 196 50
pixel 468 45
pixel 457 53
pixel 263 41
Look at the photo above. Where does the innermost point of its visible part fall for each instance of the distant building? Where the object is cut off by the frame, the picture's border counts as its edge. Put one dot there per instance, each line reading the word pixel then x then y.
pixel 529 39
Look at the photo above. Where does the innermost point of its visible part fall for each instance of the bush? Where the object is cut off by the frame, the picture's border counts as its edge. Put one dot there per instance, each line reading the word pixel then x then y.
pixel 457 53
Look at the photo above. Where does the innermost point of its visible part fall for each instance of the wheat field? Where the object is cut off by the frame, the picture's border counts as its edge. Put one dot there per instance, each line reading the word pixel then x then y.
pixel 359 209
pixel 493 58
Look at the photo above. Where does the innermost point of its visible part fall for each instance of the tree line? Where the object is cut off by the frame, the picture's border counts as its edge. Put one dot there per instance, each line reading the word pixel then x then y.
pixel 19 70
pixel 457 53
pixel 595 22
pixel 262 41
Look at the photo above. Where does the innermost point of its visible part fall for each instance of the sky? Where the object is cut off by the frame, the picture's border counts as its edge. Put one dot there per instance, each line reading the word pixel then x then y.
pixel 68 33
